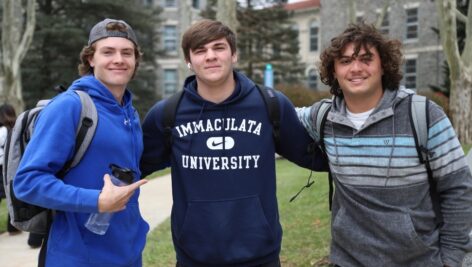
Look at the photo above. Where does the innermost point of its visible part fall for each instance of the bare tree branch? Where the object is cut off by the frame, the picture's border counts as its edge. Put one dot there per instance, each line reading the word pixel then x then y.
pixel 382 14
pixel 447 27
pixel 461 17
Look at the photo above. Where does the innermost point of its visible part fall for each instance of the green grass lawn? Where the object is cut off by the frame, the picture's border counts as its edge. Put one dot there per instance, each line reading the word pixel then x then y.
pixel 3 216
pixel 305 222
pixel 466 148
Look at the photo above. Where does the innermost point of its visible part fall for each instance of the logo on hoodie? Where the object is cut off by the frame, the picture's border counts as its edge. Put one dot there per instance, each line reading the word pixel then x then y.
pixel 220 143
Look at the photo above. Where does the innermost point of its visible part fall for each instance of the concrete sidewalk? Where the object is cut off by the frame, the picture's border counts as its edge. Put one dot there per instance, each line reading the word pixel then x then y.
pixel 155 204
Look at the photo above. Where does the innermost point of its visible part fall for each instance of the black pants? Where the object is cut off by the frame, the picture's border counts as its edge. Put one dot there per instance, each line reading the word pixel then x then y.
pixel 275 263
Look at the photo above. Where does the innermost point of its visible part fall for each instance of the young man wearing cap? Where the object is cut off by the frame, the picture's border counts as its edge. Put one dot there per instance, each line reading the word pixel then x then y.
pixel 223 170
pixel 108 63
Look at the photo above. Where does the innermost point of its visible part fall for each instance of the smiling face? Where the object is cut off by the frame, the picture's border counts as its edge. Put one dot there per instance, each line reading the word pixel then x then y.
pixel 114 62
pixel 213 63
pixel 359 76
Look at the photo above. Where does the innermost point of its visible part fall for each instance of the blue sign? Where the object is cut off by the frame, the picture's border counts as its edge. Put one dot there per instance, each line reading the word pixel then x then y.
pixel 269 76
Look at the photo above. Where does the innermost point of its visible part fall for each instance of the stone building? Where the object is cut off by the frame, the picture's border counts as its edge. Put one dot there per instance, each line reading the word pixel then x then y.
pixel 317 21
pixel 411 22
pixel 177 15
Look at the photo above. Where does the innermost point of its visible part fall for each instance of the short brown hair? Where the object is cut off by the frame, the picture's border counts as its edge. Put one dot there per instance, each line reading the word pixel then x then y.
pixel 205 31
pixel 363 35
pixel 7 116
pixel 88 51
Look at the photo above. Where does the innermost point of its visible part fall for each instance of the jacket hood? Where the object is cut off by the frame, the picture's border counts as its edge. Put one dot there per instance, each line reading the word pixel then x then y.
pixel 389 99
pixel 243 86
pixel 95 88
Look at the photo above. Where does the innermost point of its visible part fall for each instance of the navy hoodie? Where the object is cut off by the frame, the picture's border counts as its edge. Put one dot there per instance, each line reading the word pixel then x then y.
pixel 118 139
pixel 223 174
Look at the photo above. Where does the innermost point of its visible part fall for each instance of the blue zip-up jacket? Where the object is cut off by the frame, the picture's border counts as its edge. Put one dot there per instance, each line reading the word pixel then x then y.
pixel 225 209
pixel 118 139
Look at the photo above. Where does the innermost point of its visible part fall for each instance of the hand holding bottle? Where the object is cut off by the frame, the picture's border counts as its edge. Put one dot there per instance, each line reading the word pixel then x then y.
pixel 116 192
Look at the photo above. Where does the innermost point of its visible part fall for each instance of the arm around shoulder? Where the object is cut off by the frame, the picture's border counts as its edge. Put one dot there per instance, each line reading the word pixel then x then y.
pixel 155 156
pixel 295 143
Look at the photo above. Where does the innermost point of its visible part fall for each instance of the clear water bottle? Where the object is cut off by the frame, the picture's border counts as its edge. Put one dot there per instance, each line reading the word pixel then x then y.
pixel 98 222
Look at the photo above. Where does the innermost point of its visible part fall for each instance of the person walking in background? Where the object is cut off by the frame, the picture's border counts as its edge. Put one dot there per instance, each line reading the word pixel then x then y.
pixel 108 63
pixel 382 211
pixel 225 210
pixel 7 121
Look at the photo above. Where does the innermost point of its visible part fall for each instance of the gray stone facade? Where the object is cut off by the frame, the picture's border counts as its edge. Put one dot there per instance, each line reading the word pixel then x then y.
pixel 177 15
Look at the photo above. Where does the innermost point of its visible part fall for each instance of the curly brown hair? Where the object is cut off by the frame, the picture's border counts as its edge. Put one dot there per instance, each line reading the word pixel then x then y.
pixel 363 36
pixel 88 51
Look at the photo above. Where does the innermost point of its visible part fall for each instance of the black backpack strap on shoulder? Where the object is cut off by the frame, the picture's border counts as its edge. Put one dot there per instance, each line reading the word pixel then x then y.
pixel 86 130
pixel 170 111
pixel 272 105
pixel 321 116
pixel 419 120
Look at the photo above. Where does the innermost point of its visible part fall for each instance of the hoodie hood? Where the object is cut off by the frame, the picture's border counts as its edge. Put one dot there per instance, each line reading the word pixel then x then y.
pixel 242 88
pixel 389 99
pixel 96 89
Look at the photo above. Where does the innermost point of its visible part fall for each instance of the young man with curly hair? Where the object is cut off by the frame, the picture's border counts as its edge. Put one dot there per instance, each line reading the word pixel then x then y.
pixel 382 210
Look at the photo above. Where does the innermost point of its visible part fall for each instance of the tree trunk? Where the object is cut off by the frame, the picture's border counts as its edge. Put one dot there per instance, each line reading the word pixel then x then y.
pixel 460 104
pixel 226 13
pixel 16 40
pixel 185 22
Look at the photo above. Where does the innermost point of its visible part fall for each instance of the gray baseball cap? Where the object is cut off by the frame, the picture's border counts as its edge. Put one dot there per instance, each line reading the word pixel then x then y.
pixel 99 31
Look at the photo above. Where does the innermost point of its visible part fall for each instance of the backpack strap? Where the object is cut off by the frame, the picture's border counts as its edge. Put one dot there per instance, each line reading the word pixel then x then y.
pixel 86 130
pixel 170 111
pixel 272 105
pixel 321 116
pixel 419 120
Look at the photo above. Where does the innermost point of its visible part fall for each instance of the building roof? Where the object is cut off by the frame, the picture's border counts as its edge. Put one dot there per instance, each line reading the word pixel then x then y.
pixel 302 5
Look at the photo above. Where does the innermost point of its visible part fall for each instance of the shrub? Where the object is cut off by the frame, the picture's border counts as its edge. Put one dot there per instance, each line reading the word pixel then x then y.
pixel 300 95
pixel 439 98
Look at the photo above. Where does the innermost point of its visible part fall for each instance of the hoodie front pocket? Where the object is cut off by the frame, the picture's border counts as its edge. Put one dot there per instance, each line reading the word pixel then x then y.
pixel 383 236
pixel 227 231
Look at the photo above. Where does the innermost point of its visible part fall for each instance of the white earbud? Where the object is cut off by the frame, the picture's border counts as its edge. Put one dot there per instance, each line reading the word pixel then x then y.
pixel 189 66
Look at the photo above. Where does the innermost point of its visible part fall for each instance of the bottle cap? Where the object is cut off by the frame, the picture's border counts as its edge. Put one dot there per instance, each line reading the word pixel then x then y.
pixel 124 174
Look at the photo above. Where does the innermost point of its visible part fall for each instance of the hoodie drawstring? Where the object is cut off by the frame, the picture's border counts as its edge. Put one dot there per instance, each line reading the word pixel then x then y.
pixel 392 148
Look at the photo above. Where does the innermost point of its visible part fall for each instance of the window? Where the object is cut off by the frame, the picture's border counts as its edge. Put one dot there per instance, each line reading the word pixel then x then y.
pixel 312 79
pixel 314 36
pixel 385 24
pixel 170 38
pixel 170 81
pixel 196 4
pixel 170 3
pixel 412 23
pixel 410 73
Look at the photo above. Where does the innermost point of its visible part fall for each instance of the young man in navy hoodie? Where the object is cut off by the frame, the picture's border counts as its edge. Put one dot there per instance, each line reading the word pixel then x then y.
pixel 223 170
pixel 108 63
